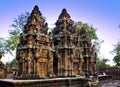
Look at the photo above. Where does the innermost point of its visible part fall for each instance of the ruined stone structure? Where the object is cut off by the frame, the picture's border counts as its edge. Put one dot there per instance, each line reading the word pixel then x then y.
pixel 68 58
pixel 74 53
pixel 114 72
pixel 88 54
pixel 64 52
pixel 35 50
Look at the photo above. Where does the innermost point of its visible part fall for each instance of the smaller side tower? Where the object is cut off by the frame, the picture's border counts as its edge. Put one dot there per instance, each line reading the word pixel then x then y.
pixel 88 52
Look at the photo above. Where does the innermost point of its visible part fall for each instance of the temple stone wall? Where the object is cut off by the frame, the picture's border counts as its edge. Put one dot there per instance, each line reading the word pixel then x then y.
pixel 114 72
pixel 58 82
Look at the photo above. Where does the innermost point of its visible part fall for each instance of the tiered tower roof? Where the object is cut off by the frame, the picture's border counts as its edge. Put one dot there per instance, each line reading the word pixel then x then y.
pixel 36 11
pixel 64 23
pixel 35 19
pixel 64 14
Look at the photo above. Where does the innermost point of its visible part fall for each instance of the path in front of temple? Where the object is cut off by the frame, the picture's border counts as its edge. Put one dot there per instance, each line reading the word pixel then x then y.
pixel 111 83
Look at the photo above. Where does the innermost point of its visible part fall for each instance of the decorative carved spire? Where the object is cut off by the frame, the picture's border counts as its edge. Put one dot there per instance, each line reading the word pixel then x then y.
pixel 64 14
pixel 37 20
pixel 36 11
pixel 64 23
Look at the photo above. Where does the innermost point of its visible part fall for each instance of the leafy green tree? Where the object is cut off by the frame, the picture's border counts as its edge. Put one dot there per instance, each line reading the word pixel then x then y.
pixel 3 48
pixel 116 50
pixel 18 25
pixel 20 21
pixel 102 63
pixel 117 60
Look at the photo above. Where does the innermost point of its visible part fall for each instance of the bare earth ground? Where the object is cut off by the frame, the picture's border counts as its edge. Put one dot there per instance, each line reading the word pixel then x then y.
pixel 111 83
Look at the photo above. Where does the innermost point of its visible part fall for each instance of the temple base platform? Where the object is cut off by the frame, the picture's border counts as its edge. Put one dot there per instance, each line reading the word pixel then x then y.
pixel 54 82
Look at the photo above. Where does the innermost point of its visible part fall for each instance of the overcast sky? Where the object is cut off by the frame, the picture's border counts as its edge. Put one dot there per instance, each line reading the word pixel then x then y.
pixel 104 15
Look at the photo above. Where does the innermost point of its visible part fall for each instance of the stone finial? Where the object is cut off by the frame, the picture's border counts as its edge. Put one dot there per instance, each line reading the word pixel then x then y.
pixel 64 11
pixel 64 14
pixel 36 10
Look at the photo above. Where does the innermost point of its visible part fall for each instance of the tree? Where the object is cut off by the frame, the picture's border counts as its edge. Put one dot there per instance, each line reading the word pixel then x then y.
pixel 116 50
pixel 18 25
pixel 116 59
pixel 2 46
pixel 97 43
pixel 20 21
pixel 102 63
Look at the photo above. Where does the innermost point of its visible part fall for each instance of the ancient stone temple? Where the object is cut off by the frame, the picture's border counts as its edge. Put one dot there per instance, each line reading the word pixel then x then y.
pixel 89 56
pixel 35 50
pixel 74 53
pixel 68 61
pixel 64 52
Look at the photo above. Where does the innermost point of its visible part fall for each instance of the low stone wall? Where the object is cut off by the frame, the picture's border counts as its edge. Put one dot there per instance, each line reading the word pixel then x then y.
pixel 104 77
pixel 56 82
pixel 114 72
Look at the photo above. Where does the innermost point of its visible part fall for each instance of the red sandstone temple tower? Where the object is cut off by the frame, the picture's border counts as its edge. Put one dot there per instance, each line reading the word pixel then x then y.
pixel 67 57
pixel 35 50
pixel 89 56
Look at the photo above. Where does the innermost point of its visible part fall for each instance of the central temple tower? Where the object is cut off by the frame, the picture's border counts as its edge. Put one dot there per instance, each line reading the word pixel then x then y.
pixel 35 50
pixel 67 57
